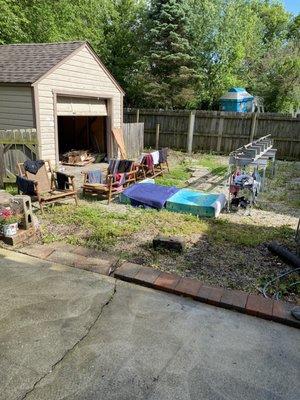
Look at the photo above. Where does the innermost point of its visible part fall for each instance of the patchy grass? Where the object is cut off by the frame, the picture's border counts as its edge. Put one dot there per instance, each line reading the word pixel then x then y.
pixel 229 251
pixel 215 164
pixel 178 176
pixel 283 190
pixel 180 172
pixel 11 188
pixel 100 228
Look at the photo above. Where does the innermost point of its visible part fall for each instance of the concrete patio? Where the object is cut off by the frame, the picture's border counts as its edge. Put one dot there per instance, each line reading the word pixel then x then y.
pixel 66 333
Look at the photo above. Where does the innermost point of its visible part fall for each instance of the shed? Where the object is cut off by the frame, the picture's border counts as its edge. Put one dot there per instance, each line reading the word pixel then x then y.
pixel 65 92
pixel 237 99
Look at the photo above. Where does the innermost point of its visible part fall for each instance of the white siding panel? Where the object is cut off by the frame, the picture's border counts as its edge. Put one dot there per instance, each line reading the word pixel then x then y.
pixel 16 107
pixel 80 73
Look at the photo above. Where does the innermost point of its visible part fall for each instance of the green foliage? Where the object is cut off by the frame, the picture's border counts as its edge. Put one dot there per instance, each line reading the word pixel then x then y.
pixel 174 53
pixel 13 23
pixel 172 79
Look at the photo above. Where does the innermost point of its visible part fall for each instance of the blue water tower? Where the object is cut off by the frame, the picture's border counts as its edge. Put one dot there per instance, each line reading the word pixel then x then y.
pixel 237 100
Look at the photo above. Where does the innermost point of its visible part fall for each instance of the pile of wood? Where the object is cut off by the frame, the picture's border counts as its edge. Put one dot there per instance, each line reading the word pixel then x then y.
pixel 77 158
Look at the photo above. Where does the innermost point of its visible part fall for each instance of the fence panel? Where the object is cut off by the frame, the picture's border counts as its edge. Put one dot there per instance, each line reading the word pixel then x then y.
pixel 134 139
pixel 16 146
pixel 218 131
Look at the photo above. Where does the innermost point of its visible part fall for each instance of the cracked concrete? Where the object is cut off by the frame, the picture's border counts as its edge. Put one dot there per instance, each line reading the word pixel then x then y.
pixel 68 351
pixel 74 335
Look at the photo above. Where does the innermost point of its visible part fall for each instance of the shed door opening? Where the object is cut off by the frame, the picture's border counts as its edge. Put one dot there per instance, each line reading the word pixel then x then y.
pixel 82 133
pixel 82 125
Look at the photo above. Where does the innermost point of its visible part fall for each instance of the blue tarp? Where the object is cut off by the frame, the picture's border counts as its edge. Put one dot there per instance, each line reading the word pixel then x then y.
pixel 149 195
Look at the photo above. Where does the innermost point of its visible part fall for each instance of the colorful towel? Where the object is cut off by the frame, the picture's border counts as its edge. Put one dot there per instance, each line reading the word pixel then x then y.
pixel 95 176
pixel 148 161
pixel 113 166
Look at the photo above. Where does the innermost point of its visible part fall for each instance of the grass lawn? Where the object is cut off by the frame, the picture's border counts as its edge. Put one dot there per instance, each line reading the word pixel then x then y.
pixel 229 251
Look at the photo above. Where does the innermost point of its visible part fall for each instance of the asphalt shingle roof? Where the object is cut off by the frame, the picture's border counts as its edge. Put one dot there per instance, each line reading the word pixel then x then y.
pixel 25 63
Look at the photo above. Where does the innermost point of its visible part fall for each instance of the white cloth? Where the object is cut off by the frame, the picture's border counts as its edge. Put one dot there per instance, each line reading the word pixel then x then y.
pixel 155 156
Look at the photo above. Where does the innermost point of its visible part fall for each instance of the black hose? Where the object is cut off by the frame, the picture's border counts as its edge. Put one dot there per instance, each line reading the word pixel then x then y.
pixel 284 254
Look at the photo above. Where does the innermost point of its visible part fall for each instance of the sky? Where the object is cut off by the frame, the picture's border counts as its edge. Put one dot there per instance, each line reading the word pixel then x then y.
pixel 292 6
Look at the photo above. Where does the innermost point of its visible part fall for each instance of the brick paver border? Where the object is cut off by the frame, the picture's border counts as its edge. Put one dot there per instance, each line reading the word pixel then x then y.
pixel 251 304
pixel 237 300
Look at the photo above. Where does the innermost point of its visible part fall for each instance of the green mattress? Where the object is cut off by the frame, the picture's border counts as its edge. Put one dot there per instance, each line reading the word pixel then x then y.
pixel 196 203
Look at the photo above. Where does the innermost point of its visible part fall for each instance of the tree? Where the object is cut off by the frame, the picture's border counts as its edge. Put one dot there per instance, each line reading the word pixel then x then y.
pixel 226 40
pixel 13 23
pixel 174 53
pixel 124 45
pixel 172 79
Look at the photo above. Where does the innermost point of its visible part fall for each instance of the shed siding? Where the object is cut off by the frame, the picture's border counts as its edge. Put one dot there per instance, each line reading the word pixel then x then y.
pixel 16 107
pixel 79 73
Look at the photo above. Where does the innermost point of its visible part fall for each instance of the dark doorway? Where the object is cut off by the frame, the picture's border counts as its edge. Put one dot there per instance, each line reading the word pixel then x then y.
pixel 82 133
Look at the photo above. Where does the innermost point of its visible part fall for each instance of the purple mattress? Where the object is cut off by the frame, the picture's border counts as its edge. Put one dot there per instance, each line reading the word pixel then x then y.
pixel 149 195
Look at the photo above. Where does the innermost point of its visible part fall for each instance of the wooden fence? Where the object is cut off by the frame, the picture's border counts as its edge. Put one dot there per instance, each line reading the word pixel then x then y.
pixel 134 139
pixel 16 145
pixel 216 131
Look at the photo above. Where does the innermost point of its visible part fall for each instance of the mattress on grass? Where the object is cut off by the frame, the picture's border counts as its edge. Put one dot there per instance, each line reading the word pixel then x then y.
pixel 147 195
pixel 196 203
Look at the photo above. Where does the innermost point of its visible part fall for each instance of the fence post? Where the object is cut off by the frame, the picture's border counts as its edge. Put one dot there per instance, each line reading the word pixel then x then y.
pixel 157 136
pixel 253 127
pixel 220 133
pixel 138 115
pixel 191 132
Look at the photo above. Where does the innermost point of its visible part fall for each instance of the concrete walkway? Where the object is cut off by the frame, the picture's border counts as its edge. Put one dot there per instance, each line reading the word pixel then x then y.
pixel 70 334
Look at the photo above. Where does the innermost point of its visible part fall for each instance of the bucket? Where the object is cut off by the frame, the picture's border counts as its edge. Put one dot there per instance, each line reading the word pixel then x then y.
pixel 10 230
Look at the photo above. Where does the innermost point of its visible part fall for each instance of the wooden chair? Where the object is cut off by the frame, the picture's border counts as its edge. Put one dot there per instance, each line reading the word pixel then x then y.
pixel 45 184
pixel 144 171
pixel 110 188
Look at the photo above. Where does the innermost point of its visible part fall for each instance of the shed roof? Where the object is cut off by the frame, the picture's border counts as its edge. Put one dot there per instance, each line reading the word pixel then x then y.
pixel 26 63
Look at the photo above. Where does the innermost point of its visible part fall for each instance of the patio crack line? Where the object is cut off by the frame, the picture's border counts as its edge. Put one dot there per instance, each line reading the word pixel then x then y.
pixel 68 351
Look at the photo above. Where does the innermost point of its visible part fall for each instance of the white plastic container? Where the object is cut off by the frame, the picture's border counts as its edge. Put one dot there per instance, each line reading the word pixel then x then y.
pixel 10 230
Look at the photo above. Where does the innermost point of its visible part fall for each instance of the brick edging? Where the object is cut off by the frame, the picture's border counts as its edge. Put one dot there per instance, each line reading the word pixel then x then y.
pixel 251 304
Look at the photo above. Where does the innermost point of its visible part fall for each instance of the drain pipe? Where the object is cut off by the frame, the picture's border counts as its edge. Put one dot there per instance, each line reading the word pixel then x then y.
pixel 284 254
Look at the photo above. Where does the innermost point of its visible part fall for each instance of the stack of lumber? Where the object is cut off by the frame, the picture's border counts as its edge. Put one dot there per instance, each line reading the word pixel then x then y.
pixel 77 158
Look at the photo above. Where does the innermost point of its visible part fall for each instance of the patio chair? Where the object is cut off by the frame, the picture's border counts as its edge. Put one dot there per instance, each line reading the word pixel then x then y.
pixel 111 184
pixel 47 186
pixel 153 164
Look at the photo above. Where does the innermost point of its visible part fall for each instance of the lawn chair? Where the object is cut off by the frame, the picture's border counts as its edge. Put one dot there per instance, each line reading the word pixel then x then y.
pixel 46 185
pixel 153 164
pixel 109 185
